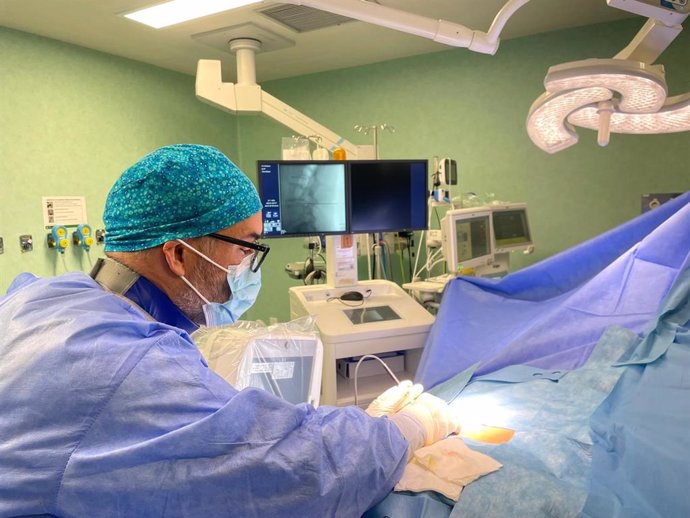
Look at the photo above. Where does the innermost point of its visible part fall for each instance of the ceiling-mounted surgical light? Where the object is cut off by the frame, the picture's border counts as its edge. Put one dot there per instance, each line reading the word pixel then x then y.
pixel 626 94
pixel 604 110
pixel 547 121
pixel 608 95
pixel 673 117
pixel 642 87
pixel 178 11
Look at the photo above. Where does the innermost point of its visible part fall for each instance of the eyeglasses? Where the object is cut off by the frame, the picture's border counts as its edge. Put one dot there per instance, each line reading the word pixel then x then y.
pixel 260 251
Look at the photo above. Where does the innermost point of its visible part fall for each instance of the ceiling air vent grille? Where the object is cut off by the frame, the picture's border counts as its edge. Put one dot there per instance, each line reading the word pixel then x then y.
pixel 304 19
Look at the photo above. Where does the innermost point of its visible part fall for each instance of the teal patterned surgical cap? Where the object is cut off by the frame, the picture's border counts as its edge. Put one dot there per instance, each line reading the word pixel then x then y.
pixel 176 192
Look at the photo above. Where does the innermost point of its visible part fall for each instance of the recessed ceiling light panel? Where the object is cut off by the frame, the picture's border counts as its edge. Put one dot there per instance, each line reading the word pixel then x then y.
pixel 178 11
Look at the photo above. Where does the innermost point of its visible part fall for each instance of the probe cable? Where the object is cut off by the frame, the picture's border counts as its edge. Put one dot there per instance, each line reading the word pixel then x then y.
pixel 390 372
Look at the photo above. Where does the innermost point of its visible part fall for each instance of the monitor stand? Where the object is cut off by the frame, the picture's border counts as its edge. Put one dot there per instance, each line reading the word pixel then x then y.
pixel 387 319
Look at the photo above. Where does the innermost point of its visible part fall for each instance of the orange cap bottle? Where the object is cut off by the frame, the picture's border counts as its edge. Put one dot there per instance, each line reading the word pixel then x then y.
pixel 339 154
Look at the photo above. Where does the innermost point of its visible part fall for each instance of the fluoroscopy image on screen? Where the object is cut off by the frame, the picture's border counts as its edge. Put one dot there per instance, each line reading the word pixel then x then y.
pixel 303 198
pixel 388 195
pixel 312 198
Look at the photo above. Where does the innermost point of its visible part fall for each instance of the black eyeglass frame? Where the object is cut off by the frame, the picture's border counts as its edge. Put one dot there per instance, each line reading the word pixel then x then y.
pixel 259 256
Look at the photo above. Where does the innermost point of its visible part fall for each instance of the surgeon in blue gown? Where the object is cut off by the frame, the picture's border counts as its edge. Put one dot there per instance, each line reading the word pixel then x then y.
pixel 107 407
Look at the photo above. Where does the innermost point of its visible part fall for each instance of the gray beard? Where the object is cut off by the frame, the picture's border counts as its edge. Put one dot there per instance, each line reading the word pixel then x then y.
pixel 211 281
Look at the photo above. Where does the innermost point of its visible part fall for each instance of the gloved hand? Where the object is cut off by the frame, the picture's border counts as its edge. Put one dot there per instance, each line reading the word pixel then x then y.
pixel 394 399
pixel 426 420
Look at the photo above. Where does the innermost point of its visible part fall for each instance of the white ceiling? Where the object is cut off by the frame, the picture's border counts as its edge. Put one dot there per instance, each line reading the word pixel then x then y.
pixel 98 24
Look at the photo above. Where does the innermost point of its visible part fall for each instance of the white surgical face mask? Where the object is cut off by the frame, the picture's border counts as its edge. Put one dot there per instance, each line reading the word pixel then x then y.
pixel 244 288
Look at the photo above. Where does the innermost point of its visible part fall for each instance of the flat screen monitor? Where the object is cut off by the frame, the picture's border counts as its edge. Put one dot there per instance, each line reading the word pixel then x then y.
pixel 511 228
pixel 467 238
pixel 286 364
pixel 303 198
pixel 388 195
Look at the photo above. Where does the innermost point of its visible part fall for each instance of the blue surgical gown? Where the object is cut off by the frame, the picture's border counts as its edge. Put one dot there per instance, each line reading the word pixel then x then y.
pixel 105 412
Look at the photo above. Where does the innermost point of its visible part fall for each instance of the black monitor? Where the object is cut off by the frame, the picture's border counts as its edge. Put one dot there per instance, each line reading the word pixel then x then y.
pixel 511 227
pixel 303 198
pixel 388 195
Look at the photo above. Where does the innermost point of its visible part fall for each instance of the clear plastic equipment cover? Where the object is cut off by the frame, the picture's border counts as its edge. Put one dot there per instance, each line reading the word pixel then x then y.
pixel 284 359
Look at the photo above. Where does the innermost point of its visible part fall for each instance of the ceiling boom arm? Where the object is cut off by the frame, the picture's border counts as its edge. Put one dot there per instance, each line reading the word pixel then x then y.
pixel 247 98
pixel 441 31
pixel 651 40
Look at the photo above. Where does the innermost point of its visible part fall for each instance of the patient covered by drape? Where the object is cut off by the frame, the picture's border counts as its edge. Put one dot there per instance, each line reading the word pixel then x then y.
pixel 552 314
pixel 625 290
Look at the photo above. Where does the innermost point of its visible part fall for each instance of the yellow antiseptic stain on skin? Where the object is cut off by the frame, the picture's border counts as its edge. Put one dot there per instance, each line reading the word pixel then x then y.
pixel 487 434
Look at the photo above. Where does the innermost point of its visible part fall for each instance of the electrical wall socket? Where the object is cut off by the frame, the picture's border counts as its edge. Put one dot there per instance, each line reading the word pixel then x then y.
pixel 433 238
pixel 26 243
pixel 400 242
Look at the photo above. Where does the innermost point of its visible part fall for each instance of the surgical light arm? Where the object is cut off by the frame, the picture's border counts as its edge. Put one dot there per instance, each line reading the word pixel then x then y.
pixel 441 31
pixel 650 41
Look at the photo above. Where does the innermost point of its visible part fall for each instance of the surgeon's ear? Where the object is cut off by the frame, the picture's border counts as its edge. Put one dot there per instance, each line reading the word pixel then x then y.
pixel 175 256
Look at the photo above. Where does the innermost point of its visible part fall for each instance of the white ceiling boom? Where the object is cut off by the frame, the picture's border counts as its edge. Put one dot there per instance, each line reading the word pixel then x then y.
pixel 247 97
pixel 441 31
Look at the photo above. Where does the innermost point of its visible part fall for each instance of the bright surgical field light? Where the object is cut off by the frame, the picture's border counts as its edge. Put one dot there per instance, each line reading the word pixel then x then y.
pixel 178 11
pixel 483 410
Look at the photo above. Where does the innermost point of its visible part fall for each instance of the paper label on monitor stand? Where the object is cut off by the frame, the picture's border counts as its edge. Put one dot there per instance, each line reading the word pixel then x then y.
pixel 344 263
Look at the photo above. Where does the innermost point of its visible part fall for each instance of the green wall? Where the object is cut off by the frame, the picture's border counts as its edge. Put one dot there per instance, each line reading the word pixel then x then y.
pixel 71 119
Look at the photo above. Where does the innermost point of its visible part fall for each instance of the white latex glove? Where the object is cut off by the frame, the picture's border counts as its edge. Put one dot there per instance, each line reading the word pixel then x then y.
pixel 426 420
pixel 395 398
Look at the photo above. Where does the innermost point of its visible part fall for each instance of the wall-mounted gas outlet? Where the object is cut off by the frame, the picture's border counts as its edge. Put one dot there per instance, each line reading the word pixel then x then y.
pixel 82 237
pixel 57 238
